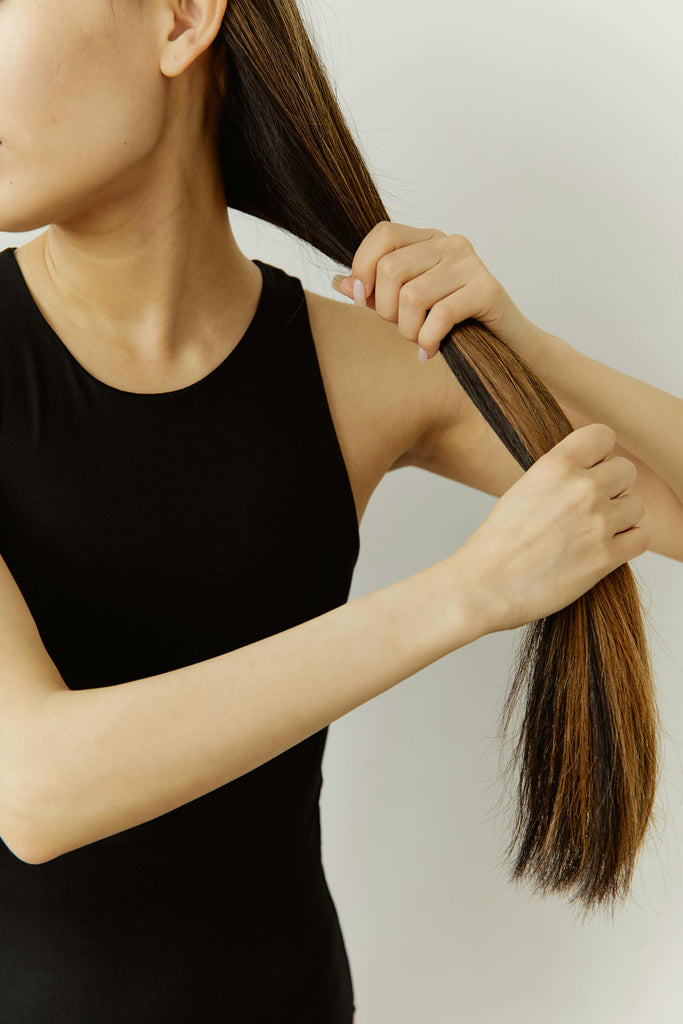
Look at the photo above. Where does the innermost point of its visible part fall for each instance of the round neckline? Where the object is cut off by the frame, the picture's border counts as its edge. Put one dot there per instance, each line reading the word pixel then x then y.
pixel 46 328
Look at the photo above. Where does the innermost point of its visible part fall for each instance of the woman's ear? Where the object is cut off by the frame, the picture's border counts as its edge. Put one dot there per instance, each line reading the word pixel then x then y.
pixel 189 31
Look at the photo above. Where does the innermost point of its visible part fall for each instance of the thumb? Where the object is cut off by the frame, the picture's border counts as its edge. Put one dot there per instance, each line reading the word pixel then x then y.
pixel 344 285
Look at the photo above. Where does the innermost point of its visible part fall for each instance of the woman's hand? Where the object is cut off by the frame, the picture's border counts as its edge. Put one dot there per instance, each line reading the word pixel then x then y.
pixel 426 282
pixel 570 520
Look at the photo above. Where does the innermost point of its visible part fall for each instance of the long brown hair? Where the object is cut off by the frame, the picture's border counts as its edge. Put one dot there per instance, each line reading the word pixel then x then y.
pixel 588 745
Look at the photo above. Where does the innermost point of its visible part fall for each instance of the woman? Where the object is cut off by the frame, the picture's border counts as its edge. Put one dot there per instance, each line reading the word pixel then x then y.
pixel 189 441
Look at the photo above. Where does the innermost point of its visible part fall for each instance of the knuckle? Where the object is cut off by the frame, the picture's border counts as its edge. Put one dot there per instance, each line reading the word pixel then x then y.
pixel 385 229
pixel 628 470
pixel 411 294
pixel 441 312
pixel 587 491
pixel 462 243
pixel 553 468
pixel 624 461
pixel 559 461
pixel 451 260
pixel 389 266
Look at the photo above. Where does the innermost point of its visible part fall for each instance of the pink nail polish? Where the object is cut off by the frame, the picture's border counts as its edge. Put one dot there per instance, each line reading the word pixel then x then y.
pixel 422 354
pixel 359 292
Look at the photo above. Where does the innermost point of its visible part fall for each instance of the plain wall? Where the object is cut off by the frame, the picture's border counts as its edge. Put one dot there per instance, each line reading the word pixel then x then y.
pixel 549 135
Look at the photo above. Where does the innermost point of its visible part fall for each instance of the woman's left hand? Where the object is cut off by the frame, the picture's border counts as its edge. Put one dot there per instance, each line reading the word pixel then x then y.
pixel 426 282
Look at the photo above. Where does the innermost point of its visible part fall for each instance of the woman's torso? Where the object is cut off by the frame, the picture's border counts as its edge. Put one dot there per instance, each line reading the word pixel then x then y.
pixel 148 531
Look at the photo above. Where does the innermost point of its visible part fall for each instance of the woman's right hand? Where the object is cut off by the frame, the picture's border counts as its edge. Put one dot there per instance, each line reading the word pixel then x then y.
pixel 563 526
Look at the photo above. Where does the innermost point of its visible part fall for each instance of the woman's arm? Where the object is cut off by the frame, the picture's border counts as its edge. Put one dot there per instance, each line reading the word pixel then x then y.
pixel 646 420
pixel 107 759
pixel 403 261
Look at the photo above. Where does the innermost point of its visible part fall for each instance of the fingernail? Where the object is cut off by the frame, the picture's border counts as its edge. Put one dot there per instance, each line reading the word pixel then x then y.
pixel 337 282
pixel 422 354
pixel 359 292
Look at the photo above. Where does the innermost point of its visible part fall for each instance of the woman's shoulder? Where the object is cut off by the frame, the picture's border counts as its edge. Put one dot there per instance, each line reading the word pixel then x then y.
pixel 381 398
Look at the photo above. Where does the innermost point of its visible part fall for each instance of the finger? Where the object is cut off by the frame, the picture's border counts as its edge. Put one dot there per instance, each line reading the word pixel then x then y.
pixel 625 512
pixel 396 284
pixel 384 238
pixel 585 446
pixel 445 314
pixel 433 303
pixel 617 473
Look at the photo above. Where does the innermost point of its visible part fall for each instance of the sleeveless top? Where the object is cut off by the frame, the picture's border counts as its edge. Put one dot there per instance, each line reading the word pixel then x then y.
pixel 147 532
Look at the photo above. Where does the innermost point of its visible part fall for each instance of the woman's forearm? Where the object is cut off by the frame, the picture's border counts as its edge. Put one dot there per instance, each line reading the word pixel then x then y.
pixel 646 420
pixel 110 758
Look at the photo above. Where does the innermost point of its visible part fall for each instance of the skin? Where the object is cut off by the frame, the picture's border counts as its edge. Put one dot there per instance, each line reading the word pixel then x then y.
pixel 102 139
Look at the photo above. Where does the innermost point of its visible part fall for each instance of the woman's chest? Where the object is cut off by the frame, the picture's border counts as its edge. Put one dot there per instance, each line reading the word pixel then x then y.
pixel 374 425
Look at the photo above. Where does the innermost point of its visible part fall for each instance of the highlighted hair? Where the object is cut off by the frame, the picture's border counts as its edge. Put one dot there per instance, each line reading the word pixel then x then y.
pixel 588 744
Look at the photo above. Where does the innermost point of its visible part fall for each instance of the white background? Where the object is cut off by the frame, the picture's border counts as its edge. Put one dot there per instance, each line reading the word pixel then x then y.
pixel 551 136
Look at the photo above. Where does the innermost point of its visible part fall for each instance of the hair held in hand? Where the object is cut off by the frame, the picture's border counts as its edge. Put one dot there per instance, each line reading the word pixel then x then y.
pixel 588 743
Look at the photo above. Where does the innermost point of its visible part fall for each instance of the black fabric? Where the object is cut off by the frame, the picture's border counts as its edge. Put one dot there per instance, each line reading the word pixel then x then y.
pixel 148 532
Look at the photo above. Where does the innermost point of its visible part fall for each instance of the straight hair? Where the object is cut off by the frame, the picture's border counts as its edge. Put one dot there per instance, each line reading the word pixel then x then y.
pixel 588 746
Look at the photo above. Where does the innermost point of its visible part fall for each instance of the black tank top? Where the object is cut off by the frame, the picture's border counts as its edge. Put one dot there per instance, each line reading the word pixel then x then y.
pixel 147 532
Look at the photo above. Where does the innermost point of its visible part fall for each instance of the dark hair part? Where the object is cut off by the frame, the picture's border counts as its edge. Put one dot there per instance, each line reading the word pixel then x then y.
pixel 588 746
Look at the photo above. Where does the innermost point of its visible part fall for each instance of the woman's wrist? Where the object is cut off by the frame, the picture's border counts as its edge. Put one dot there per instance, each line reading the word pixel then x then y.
pixel 472 606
